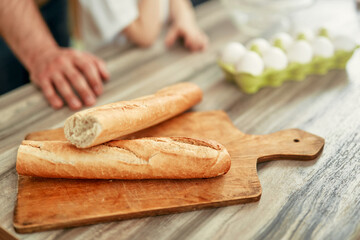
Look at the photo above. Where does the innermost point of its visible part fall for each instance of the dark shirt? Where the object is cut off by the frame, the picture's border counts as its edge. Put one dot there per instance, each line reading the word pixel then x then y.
pixel 12 72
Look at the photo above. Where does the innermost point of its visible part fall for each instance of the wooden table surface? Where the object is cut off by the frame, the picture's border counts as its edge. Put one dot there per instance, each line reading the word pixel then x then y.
pixel 301 200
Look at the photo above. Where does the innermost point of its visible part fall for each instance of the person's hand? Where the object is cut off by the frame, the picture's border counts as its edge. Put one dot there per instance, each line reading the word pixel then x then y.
pixel 194 38
pixel 64 71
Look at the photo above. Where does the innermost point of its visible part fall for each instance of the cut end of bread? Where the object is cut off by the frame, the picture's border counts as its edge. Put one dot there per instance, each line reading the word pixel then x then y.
pixel 223 163
pixel 81 131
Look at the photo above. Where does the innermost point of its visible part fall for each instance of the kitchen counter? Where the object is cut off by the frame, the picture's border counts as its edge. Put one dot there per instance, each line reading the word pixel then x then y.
pixel 317 199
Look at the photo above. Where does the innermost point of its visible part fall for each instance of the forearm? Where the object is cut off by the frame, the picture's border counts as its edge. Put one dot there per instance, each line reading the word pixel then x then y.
pixel 24 30
pixel 145 29
pixel 181 10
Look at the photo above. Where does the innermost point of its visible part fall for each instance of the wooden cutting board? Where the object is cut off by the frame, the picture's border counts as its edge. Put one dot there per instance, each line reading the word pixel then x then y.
pixel 44 204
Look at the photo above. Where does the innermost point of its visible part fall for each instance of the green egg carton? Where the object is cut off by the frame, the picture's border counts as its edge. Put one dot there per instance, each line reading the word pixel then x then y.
pixel 321 65
pixel 341 58
pixel 295 71
pixel 228 70
pixel 274 78
pixel 249 83
pixel 298 71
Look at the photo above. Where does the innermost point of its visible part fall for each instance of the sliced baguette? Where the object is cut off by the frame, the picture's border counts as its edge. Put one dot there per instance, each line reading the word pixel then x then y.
pixel 143 158
pixel 102 124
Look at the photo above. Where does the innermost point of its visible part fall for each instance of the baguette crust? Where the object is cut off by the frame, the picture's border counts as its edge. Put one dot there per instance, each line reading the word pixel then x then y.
pixel 143 158
pixel 56 134
pixel 102 124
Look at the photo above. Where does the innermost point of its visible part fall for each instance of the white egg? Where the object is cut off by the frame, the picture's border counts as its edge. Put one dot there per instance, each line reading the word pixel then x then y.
pixel 300 52
pixel 232 52
pixel 275 58
pixel 306 32
pixel 250 63
pixel 285 39
pixel 344 43
pixel 322 47
pixel 261 43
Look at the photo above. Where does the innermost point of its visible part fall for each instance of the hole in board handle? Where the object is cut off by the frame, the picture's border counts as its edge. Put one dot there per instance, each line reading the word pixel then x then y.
pixel 296 140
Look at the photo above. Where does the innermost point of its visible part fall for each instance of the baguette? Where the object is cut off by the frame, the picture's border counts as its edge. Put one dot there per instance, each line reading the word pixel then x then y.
pixel 102 124
pixel 143 158
pixel 56 134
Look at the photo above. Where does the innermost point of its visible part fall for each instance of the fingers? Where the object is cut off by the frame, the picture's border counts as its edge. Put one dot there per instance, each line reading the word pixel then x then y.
pixel 50 94
pixel 205 41
pixel 66 91
pixel 171 36
pixel 192 43
pixel 69 71
pixel 196 41
pixel 80 84
pixel 90 71
pixel 101 67
pixel 194 38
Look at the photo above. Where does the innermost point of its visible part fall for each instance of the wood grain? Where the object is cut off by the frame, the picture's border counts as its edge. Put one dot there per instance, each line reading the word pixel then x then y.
pixel 5 235
pixel 44 204
pixel 300 200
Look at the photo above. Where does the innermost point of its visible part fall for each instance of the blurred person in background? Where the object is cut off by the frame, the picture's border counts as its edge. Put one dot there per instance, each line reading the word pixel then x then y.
pixel 139 22
pixel 34 41
pixel 34 44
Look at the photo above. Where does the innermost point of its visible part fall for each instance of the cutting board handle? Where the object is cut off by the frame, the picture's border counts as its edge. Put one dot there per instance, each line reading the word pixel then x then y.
pixel 290 144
